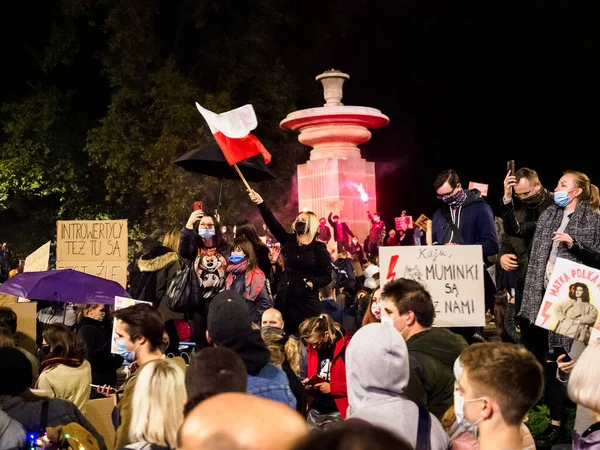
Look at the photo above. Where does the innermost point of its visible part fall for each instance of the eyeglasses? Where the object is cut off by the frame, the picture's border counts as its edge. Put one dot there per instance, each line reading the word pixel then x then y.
pixel 447 195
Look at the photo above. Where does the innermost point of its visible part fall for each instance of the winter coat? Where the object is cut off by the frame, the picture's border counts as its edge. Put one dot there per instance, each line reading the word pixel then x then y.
pixel 473 225
pixel 343 273
pixel 98 341
pixel 27 410
pixel 295 299
pixel 520 221
pixel 149 282
pixel 337 371
pixel 378 374
pixel 261 303
pixel 378 231
pixel 341 233
pixel 211 280
pixel 584 228
pixel 431 359
pixel 332 309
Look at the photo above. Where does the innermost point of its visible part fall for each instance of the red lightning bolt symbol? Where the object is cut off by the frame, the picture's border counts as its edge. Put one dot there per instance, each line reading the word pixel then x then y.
pixel 545 314
pixel 391 272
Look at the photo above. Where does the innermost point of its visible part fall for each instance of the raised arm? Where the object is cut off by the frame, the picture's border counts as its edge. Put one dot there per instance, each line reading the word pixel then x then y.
pixel 272 223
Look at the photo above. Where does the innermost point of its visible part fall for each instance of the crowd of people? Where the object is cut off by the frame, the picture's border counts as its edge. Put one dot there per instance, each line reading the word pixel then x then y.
pixel 296 349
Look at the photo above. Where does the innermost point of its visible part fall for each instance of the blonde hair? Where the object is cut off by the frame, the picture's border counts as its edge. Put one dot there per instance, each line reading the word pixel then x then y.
pixel 589 191
pixel 281 353
pixel 583 383
pixel 83 310
pixel 157 405
pixel 322 324
pixel 312 225
pixel 171 240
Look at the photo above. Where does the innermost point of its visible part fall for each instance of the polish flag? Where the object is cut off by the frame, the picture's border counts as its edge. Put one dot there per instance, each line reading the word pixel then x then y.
pixel 232 132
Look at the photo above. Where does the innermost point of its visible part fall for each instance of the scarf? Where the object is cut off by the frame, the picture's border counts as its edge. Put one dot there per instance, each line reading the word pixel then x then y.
pixel 254 280
pixel 53 361
pixel 584 226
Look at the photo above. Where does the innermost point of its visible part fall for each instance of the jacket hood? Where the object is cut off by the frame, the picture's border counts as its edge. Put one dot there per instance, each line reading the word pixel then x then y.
pixel 158 258
pixel 473 195
pixel 439 343
pixel 376 365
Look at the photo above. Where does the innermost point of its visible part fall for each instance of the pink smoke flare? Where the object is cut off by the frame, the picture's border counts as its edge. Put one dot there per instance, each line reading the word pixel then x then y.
pixel 363 194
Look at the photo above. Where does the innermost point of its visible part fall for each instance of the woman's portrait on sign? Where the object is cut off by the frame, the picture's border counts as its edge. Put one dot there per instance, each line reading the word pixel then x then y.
pixel 576 316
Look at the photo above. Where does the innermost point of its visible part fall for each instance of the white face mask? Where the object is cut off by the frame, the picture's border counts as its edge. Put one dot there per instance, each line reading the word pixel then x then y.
pixel 459 411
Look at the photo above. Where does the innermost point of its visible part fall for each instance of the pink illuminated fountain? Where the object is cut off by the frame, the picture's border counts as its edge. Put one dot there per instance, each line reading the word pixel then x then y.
pixel 337 178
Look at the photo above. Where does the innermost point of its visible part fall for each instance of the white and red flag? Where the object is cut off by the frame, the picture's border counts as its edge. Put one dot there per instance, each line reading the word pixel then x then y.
pixel 232 132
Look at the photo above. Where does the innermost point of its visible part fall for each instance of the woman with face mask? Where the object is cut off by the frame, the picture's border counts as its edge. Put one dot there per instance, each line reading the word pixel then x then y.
pixel 201 242
pixel 569 229
pixel 307 266
pixel 326 342
pixel 96 332
pixel 244 277
pixel 373 312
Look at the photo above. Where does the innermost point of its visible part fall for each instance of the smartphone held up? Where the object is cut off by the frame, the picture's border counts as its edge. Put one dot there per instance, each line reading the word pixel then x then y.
pixel 510 167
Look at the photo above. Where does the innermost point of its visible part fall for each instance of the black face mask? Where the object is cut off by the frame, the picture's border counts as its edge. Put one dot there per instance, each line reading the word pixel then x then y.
pixel 300 228
pixel 533 199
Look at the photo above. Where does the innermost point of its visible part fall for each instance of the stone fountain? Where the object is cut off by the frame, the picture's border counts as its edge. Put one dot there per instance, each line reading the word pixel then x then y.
pixel 331 180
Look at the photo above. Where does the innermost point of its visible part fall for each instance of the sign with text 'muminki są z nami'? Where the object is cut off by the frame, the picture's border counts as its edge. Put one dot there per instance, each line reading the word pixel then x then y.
pixel 453 275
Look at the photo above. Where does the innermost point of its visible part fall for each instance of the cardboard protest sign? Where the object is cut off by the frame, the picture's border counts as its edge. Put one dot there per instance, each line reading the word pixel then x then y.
pixel 483 188
pixel 26 324
pixel 38 260
pixel 97 247
pixel 422 221
pixel 120 303
pixel 99 412
pixel 452 274
pixel 571 301
pixel 403 222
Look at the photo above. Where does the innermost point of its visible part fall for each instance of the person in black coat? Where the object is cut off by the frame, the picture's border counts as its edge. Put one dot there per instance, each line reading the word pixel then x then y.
pixel 97 335
pixel 201 242
pixel 307 266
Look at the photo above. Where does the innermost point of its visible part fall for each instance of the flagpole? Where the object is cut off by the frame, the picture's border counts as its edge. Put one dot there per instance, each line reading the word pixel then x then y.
pixel 242 177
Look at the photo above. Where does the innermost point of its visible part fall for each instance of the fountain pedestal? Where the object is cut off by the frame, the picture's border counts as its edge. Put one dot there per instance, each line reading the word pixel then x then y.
pixel 330 180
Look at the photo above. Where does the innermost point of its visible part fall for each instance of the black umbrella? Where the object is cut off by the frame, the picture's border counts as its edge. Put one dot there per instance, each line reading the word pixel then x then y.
pixel 209 160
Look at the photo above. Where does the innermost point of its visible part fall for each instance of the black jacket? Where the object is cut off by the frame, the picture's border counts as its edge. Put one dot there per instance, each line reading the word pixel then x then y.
pixel 97 340
pixel 431 355
pixel 337 237
pixel 153 272
pixel 295 299
pixel 520 221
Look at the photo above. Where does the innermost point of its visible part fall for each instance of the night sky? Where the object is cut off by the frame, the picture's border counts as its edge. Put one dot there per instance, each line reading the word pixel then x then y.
pixel 468 85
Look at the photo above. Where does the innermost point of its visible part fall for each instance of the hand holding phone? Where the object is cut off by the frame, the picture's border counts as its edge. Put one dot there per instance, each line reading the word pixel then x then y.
pixel 198 206
pixel 510 167
pixel 310 382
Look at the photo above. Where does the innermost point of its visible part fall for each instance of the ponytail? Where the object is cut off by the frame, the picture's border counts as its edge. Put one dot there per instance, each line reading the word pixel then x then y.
pixel 594 199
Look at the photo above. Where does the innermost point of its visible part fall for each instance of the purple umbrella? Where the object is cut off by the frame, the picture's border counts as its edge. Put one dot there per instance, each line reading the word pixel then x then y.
pixel 66 285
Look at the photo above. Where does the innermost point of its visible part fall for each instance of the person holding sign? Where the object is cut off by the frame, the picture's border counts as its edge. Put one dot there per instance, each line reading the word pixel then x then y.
pixel 569 229
pixel 465 219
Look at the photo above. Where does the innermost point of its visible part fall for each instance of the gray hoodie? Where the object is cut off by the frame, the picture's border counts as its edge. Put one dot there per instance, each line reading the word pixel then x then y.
pixel 12 434
pixel 377 373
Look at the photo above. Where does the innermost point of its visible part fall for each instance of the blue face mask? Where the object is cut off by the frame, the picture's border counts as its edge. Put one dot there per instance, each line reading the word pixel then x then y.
pixel 562 199
pixel 235 259
pixel 126 354
pixel 206 233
